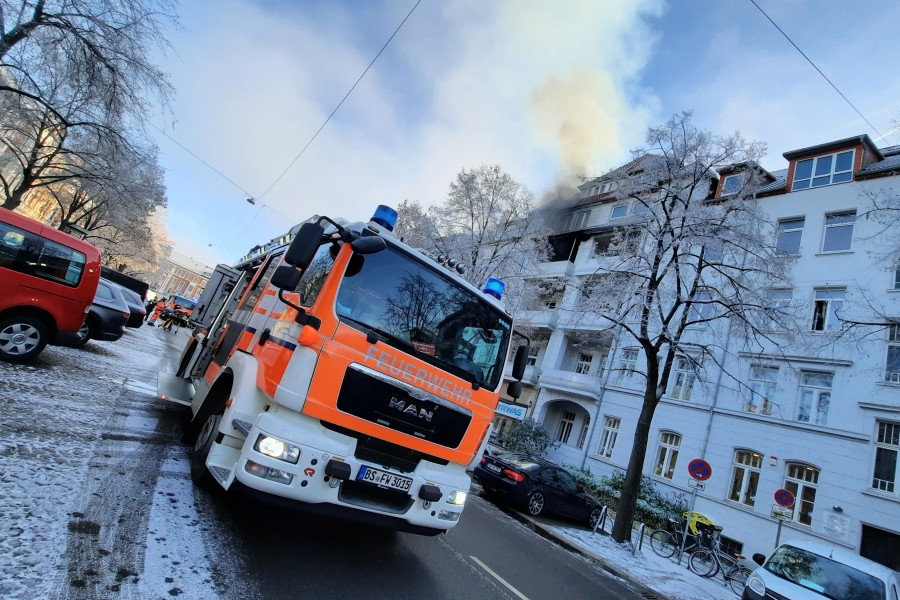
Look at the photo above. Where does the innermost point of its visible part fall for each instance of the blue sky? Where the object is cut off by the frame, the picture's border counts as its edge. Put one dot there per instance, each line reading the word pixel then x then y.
pixel 548 90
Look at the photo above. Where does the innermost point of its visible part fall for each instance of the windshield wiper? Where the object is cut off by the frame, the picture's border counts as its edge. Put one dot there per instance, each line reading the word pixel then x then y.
pixel 386 336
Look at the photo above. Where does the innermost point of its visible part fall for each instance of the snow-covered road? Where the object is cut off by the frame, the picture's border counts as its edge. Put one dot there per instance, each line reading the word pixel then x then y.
pixel 95 494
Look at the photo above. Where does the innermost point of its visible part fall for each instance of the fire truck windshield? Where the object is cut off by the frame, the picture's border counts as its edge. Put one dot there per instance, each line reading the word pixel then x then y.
pixel 418 309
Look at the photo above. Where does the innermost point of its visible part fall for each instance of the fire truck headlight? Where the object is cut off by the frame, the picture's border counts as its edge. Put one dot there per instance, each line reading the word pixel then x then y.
pixel 277 449
pixel 457 497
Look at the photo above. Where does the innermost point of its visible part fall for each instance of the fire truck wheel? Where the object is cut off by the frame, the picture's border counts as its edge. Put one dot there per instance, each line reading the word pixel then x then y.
pixel 199 473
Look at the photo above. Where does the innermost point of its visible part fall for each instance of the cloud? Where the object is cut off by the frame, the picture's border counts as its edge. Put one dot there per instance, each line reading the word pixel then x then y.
pixel 543 89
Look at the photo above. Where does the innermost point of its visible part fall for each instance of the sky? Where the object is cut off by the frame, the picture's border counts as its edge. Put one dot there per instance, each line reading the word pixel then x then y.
pixel 550 91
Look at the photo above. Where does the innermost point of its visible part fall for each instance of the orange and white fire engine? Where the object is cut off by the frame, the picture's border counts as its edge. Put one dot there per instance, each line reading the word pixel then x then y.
pixel 341 369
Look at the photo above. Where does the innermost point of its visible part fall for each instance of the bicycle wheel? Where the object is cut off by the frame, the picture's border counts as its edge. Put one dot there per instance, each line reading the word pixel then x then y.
pixel 737 577
pixel 663 543
pixel 703 562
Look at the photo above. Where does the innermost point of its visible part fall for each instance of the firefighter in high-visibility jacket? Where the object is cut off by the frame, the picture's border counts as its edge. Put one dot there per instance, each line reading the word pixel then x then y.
pixel 157 311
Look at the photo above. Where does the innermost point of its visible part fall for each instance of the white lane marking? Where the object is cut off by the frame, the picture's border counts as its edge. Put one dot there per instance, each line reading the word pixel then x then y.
pixel 500 579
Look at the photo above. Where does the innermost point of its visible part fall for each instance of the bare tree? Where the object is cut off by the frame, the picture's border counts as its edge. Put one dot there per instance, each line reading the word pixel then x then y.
pixel 73 66
pixel 686 263
pixel 488 225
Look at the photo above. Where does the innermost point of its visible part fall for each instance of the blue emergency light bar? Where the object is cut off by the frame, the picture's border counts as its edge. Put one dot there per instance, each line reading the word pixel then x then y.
pixel 385 216
pixel 494 287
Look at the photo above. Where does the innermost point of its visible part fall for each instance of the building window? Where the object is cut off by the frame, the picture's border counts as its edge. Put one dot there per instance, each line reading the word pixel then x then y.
pixel 610 433
pixel 667 456
pixel 802 481
pixel 897 277
pixel 732 184
pixel 838 231
pixel 887 446
pixel 583 364
pixel 602 243
pixel 762 389
pixel 565 427
pixel 823 170
pixel 582 437
pixel 745 477
pixel 685 377
pixel 790 231
pixel 892 364
pixel 815 396
pixel 627 365
pixel 702 307
pixel 532 355
pixel 577 220
pixel 619 212
pixel 827 310
pixel 779 301
pixel 729 546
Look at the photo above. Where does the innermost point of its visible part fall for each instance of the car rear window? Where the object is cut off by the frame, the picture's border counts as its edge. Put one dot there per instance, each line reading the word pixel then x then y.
pixel 104 292
pixel 824 576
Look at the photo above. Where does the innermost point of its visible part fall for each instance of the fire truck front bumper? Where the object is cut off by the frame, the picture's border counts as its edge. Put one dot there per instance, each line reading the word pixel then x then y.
pixel 324 474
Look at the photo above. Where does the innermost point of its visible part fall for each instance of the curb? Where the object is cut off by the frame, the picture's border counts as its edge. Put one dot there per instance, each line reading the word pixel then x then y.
pixel 538 528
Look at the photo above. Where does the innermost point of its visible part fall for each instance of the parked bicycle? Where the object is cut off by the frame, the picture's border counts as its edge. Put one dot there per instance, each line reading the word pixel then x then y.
pixel 707 561
pixel 666 542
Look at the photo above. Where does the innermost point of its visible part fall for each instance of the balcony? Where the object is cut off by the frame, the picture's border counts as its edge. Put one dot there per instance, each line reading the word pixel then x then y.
pixel 539 319
pixel 569 381
pixel 532 374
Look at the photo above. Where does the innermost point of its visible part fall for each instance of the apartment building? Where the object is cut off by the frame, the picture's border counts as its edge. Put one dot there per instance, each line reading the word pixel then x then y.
pixel 821 420
pixel 181 275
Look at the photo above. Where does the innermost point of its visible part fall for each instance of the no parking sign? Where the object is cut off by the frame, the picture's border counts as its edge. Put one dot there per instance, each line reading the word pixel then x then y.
pixel 700 469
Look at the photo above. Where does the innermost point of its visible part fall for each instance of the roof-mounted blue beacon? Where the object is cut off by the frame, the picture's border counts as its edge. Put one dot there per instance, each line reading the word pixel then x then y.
pixel 385 216
pixel 494 287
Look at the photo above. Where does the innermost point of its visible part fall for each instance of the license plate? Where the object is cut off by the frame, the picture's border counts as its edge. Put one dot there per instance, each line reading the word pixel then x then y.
pixel 383 478
pixel 493 468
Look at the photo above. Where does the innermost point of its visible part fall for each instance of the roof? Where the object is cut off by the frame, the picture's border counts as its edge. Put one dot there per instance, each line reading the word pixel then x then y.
pixel 777 185
pixel 835 145
pixel 844 556
pixel 890 163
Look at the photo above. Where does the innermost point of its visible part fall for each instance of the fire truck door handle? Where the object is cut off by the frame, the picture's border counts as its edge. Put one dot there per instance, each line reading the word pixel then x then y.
pixel 264 336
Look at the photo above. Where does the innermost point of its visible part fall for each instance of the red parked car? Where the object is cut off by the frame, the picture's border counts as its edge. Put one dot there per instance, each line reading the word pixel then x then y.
pixel 47 283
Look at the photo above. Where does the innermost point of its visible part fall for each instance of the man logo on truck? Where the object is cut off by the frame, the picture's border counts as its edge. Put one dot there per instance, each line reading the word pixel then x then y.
pixel 411 409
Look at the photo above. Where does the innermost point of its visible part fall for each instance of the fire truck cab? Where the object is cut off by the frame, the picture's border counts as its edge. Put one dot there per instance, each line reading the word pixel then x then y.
pixel 349 374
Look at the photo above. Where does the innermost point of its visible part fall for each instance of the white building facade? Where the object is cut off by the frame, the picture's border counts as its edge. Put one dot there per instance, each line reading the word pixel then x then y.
pixel 821 420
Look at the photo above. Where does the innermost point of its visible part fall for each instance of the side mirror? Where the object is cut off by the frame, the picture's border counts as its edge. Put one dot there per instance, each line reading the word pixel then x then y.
pixel 520 362
pixel 368 245
pixel 759 558
pixel 514 390
pixel 286 277
pixel 305 245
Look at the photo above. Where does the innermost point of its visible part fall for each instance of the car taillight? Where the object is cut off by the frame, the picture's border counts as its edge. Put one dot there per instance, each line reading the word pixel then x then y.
pixel 513 475
pixel 126 315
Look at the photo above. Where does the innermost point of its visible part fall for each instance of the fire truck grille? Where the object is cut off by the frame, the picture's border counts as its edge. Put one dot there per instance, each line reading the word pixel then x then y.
pixel 372 496
pixel 385 454
pixel 375 398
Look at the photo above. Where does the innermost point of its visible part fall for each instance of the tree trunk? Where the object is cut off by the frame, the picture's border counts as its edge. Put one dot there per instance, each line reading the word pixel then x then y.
pixel 630 488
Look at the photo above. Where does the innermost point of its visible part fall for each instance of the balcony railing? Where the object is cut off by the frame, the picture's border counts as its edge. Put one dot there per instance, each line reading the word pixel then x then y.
pixel 569 381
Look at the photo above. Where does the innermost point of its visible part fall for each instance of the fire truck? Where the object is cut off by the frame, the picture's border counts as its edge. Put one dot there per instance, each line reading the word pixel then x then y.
pixel 343 372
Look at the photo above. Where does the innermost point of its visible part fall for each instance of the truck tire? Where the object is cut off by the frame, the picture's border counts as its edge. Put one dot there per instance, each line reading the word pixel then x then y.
pixel 200 475
pixel 22 338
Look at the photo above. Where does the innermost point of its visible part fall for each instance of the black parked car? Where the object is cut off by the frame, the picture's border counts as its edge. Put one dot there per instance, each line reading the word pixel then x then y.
pixel 107 316
pixel 135 306
pixel 537 486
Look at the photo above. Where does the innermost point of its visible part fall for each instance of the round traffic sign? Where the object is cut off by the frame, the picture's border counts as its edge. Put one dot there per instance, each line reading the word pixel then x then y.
pixel 784 497
pixel 699 469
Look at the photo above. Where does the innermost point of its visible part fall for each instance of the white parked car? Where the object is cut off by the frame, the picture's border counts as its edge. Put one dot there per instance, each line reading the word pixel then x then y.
pixel 805 570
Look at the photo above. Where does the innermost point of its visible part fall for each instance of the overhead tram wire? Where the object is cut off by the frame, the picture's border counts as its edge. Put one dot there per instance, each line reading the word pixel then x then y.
pixel 347 95
pixel 212 168
pixel 847 100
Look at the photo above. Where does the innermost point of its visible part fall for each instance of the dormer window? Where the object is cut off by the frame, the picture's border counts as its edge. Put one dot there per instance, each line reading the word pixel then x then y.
pixel 732 184
pixel 823 170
